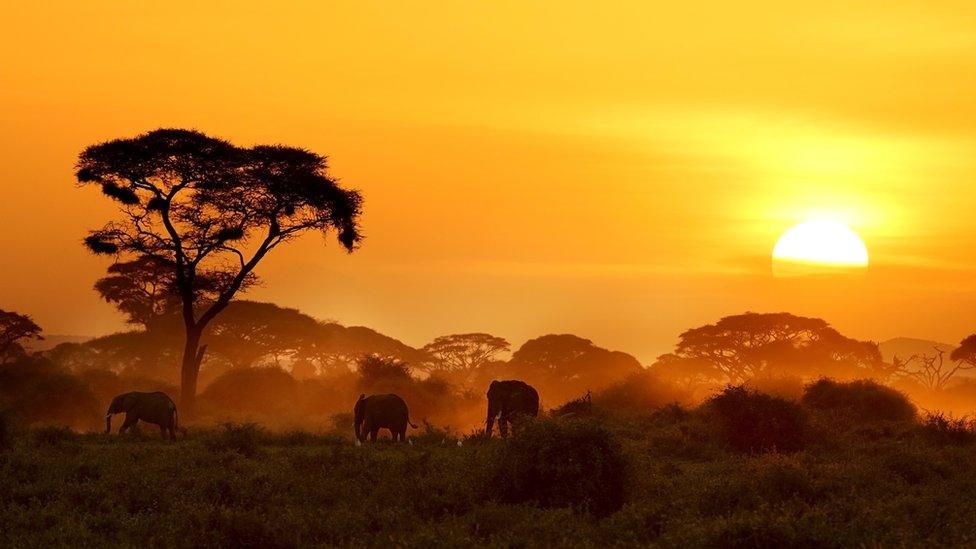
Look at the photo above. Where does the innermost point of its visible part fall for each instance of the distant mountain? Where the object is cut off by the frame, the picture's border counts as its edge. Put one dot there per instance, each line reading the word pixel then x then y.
pixel 904 347
pixel 51 341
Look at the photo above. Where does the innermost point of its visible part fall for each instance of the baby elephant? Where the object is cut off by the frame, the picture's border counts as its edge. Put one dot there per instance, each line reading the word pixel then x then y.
pixel 377 412
pixel 155 408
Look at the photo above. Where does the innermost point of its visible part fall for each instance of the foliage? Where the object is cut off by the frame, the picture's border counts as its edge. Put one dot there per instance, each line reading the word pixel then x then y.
pixel 14 330
pixel 966 351
pixel 751 421
pixel 860 400
pixel 563 366
pixel 941 428
pixel 754 344
pixel 639 392
pixel 36 392
pixel 561 463
pixel 465 352
pixel 243 438
pixel 300 490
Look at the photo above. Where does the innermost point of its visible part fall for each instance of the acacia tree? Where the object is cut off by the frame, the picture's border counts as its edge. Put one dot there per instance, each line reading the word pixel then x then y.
pixel 464 353
pixel 208 212
pixel 14 329
pixel 746 345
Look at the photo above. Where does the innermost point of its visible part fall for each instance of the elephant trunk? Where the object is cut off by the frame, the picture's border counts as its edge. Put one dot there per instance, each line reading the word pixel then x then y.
pixel 108 423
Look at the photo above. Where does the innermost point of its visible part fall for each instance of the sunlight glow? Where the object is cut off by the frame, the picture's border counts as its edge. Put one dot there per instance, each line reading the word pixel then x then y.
pixel 822 242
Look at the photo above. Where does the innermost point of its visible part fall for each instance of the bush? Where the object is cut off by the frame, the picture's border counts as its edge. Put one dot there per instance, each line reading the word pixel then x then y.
pixel 52 435
pixel 576 407
pixel 243 438
pixel 860 401
pixel 944 429
pixel 36 392
pixel 561 463
pixel 751 421
pixel 639 392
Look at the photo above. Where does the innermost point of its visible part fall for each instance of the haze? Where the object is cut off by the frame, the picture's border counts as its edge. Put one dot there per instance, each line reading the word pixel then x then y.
pixel 621 176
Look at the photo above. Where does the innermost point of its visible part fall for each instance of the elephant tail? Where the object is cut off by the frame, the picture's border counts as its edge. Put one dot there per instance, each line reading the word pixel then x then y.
pixel 410 424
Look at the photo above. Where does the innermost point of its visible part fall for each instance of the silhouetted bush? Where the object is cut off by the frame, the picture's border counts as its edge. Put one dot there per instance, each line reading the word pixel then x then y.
pixel 751 421
pixel 37 392
pixel 860 401
pixel 639 392
pixel 576 407
pixel 52 435
pixel 243 438
pixel 783 386
pixel 250 390
pixel 944 429
pixel 561 463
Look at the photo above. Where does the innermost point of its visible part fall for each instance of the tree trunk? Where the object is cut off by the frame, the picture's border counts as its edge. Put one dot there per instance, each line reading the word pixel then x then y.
pixel 192 358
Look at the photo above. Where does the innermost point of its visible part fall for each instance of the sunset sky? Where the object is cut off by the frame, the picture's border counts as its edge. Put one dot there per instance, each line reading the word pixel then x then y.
pixel 528 167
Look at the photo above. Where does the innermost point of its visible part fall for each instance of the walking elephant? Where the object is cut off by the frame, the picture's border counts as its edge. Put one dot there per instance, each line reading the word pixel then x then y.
pixel 377 412
pixel 155 408
pixel 507 400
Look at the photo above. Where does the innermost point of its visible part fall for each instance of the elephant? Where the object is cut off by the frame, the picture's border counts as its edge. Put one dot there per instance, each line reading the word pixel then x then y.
pixel 507 400
pixel 377 412
pixel 155 408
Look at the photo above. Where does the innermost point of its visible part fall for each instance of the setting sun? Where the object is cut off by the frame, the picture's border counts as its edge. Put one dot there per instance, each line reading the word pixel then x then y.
pixel 822 242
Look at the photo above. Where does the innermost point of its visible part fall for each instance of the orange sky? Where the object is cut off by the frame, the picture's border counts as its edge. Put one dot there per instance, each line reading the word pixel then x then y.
pixel 528 168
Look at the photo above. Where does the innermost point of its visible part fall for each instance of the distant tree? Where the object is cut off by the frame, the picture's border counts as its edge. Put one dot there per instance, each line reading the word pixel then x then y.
pixel 931 370
pixel 686 371
pixel 747 345
pixel 205 210
pixel 14 330
pixel 965 353
pixel 337 349
pixel 567 366
pixel 249 331
pixel 465 353
pixel 382 374
pixel 145 290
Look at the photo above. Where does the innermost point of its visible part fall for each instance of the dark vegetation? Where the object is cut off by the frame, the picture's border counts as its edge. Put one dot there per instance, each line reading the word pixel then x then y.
pixel 667 476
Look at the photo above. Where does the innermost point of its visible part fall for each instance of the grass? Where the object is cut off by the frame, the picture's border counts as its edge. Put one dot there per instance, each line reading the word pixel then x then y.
pixel 670 479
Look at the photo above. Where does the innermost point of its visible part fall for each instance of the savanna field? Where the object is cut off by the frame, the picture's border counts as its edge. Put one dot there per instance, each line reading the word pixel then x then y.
pixel 845 465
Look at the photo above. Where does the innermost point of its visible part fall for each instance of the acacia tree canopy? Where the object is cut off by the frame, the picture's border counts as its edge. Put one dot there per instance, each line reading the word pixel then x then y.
pixel 465 352
pixel 208 211
pixel 746 345
pixel 14 329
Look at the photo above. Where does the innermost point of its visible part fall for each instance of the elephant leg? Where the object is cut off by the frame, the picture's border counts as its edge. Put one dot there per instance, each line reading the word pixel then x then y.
pixel 162 431
pixel 402 433
pixel 129 422
pixel 503 423
pixel 172 432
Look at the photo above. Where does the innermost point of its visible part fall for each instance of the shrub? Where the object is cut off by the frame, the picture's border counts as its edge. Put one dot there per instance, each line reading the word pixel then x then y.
pixel 579 406
pixel 251 390
pixel 639 392
pixel 243 438
pixel 861 400
pixel 52 435
pixel 751 421
pixel 940 428
pixel 561 463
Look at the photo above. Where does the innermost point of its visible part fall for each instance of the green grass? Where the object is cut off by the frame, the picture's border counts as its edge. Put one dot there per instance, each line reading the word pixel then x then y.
pixel 883 484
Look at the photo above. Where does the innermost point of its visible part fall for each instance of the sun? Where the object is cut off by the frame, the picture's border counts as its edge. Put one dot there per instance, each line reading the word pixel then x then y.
pixel 821 242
